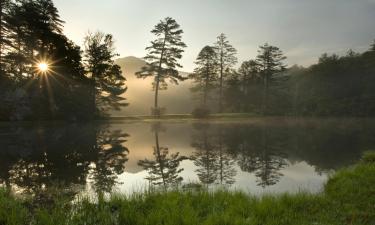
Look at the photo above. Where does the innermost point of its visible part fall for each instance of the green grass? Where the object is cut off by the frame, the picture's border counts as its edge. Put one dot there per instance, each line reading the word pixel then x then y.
pixel 348 198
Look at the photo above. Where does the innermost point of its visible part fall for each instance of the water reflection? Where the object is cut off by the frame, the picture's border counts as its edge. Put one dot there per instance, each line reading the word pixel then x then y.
pixel 271 155
pixel 215 164
pixel 163 168
pixel 110 158
pixel 35 160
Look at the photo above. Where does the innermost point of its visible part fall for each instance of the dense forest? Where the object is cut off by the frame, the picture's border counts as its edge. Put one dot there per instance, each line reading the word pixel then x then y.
pixel 45 76
pixel 335 86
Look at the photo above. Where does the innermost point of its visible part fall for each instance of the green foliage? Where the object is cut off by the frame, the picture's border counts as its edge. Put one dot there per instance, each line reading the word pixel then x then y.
pixel 335 86
pixel 12 211
pixel 368 157
pixel 226 55
pixel 205 74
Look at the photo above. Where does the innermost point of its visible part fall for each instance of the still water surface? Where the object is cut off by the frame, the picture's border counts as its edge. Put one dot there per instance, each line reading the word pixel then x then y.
pixel 256 156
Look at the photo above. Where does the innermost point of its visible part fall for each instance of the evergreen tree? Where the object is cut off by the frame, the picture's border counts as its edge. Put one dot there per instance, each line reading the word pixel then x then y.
pixel 34 35
pixel 162 57
pixel 250 81
pixel 205 74
pixel 226 54
pixel 270 60
pixel 106 77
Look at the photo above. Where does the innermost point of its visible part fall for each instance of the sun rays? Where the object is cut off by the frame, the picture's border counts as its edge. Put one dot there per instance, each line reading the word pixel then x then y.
pixel 43 67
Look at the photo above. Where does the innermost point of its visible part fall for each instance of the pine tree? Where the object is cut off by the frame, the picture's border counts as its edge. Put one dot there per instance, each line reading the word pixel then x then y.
pixel 106 77
pixel 32 33
pixel 205 74
pixel 270 60
pixel 250 80
pixel 162 57
pixel 226 54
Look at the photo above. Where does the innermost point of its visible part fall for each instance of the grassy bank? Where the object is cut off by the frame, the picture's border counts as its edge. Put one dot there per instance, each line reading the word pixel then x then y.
pixel 348 198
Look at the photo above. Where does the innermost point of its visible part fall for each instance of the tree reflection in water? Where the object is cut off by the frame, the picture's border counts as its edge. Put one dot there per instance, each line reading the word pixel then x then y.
pixel 164 169
pixel 66 158
pixel 110 158
pixel 40 160
pixel 214 163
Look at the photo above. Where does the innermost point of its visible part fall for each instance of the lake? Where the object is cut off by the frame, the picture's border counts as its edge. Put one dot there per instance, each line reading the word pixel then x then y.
pixel 255 155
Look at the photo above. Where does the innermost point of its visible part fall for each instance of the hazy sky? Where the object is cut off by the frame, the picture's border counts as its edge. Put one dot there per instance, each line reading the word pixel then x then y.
pixel 303 29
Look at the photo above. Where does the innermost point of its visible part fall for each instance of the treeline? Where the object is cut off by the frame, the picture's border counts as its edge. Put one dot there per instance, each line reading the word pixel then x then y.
pixel 44 75
pixel 335 86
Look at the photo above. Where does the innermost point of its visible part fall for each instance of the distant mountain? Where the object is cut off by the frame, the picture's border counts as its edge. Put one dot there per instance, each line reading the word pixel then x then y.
pixel 176 99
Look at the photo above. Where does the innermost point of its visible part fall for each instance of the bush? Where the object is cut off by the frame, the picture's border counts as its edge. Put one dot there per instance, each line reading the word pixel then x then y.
pixel 368 157
pixel 201 112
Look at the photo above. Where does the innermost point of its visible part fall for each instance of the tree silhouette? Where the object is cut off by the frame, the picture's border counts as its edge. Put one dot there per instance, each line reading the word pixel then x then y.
pixel 106 77
pixel 162 57
pixel 250 80
pixel 226 54
pixel 205 74
pixel 270 60
pixel 164 168
pixel 32 34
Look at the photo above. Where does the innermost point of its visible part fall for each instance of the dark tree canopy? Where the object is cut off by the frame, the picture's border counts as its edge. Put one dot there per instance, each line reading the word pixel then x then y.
pixel 205 73
pixel 31 35
pixel 105 75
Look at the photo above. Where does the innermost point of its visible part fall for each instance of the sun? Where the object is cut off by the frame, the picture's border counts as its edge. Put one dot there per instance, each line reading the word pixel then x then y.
pixel 43 67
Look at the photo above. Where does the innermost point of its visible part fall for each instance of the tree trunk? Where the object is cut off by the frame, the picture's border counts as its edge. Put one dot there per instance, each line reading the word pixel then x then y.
pixel 156 92
pixel 206 87
pixel 221 88
pixel 265 95
pixel 158 79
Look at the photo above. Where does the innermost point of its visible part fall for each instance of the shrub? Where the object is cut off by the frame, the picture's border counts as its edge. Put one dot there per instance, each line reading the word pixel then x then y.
pixel 368 157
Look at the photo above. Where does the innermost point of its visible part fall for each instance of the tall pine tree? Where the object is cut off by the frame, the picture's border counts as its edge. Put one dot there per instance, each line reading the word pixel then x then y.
pixel 205 74
pixel 108 84
pixel 162 57
pixel 271 62
pixel 227 59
